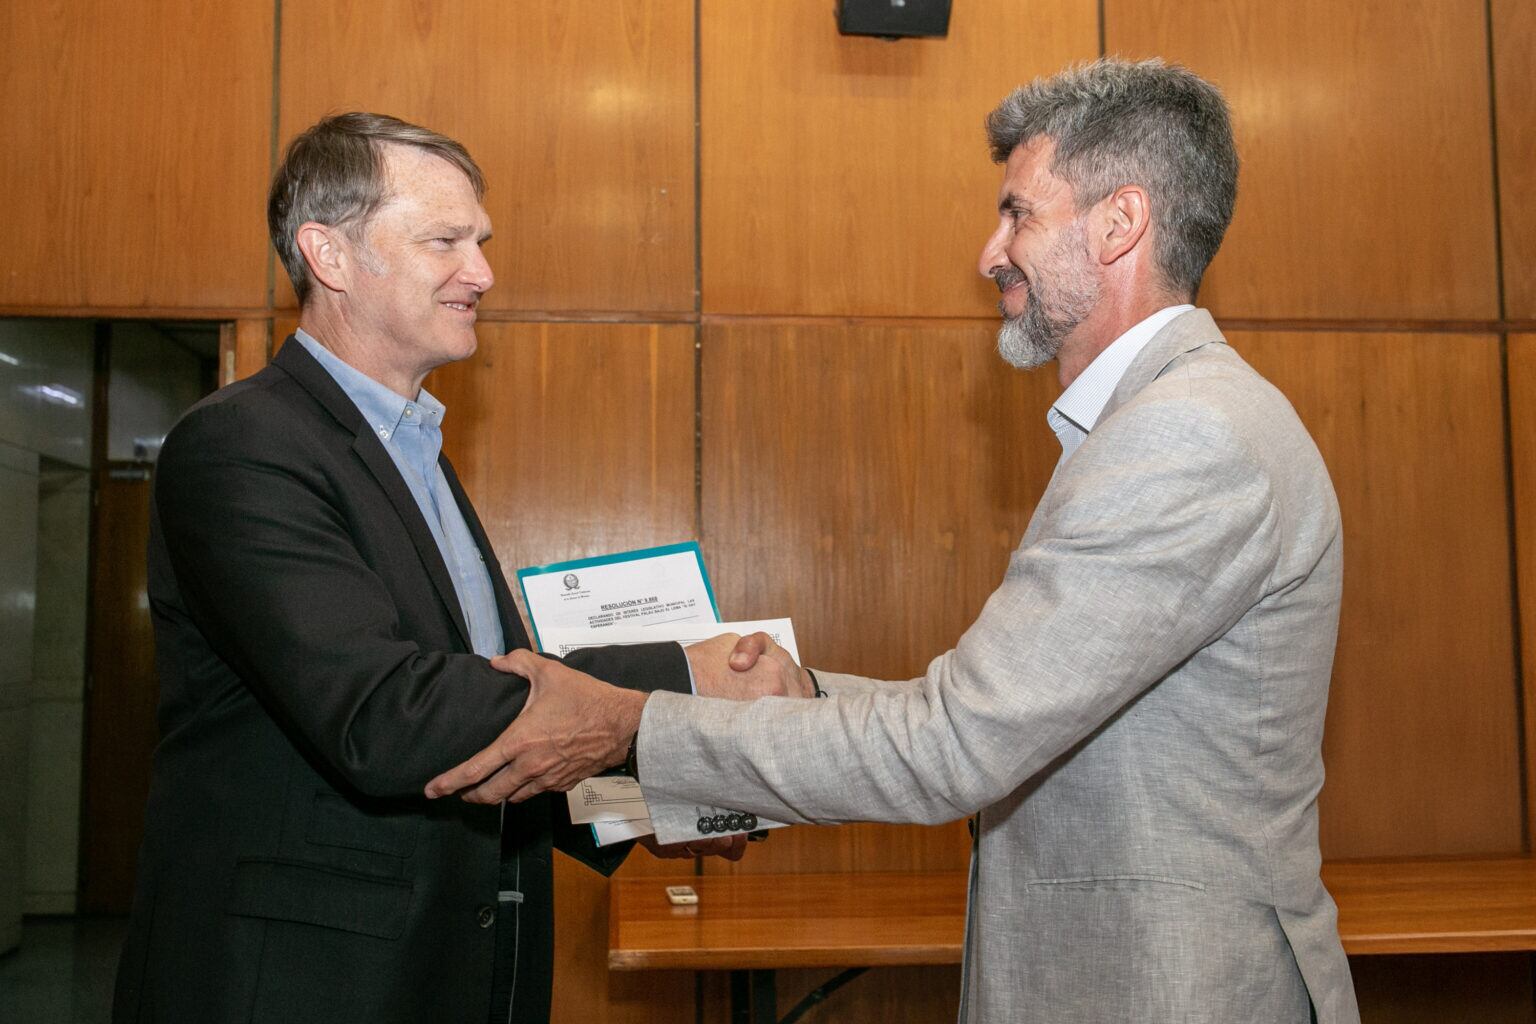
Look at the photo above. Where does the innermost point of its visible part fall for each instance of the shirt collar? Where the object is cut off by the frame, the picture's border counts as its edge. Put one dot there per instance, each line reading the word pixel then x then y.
pixel 382 408
pixel 1085 399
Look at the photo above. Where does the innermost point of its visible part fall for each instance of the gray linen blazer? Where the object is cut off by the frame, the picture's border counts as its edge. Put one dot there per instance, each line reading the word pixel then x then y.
pixel 1137 716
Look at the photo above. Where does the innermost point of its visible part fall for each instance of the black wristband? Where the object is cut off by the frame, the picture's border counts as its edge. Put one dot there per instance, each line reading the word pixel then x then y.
pixel 816 690
pixel 632 759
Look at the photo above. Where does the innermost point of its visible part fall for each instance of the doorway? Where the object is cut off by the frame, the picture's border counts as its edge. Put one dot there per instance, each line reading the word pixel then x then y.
pixel 148 374
pixel 83 407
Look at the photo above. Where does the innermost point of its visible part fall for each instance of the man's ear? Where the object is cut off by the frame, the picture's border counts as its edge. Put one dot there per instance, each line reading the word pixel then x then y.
pixel 1127 212
pixel 327 253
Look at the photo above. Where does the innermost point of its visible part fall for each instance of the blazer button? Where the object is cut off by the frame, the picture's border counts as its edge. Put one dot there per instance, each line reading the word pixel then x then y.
pixel 486 916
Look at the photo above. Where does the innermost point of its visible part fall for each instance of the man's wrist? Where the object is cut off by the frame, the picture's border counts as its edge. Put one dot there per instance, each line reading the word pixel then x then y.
pixel 630 712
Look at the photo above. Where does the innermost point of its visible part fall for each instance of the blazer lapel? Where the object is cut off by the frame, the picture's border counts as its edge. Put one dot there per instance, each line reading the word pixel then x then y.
pixel 302 367
pixel 1184 333
pixel 513 634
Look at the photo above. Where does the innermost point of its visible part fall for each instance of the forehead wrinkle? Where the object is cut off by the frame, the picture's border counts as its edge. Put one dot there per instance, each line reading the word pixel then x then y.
pixel 417 192
pixel 447 228
pixel 1040 192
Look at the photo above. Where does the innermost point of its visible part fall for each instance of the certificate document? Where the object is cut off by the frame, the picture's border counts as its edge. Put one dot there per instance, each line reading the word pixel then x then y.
pixel 634 597
pixel 613 804
pixel 651 587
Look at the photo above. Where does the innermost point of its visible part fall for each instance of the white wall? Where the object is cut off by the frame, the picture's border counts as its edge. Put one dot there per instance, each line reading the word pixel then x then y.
pixel 58 690
pixel 18 595
pixel 46 370
pixel 153 382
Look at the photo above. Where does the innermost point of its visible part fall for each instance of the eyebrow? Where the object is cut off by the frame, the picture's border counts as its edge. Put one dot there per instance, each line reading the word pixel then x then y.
pixel 442 229
pixel 1013 203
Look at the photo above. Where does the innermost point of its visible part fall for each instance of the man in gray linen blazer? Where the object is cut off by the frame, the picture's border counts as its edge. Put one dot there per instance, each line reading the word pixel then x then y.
pixel 1137 713
pixel 1136 717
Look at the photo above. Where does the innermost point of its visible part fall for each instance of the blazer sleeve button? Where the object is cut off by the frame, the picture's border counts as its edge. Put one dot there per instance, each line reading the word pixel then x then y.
pixel 486 916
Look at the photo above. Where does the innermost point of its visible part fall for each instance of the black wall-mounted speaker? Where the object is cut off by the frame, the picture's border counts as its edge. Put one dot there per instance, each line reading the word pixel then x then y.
pixel 893 18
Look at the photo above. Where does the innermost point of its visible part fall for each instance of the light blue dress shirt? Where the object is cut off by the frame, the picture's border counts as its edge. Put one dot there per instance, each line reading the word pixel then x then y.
pixel 412 433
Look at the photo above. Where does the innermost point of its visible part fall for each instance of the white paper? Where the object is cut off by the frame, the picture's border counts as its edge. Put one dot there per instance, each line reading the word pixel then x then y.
pixel 610 805
pixel 660 594
pixel 655 590
pixel 606 833
pixel 562 641
pixel 606 798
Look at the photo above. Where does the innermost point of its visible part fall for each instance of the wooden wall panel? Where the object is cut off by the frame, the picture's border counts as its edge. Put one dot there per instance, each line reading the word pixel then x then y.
pixel 1367 174
pixel 870 482
pixel 1522 450
pixel 885 995
pixel 574 440
pixel 137 160
pixel 585 990
pixel 244 347
pixel 1514 68
pixel 848 175
pixel 120 728
pixel 1422 741
pixel 580 113
pixel 283 325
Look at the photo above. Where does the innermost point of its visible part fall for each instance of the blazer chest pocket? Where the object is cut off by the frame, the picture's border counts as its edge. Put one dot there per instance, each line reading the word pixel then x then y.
pixel 336 821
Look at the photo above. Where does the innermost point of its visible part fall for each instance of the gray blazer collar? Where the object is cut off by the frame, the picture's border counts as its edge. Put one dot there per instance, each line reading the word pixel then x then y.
pixel 1184 333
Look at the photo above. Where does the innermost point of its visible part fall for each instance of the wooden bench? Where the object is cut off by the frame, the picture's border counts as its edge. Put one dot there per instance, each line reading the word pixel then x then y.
pixel 752 925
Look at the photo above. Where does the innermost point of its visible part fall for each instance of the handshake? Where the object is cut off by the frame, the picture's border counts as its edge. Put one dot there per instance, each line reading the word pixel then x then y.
pixel 574 726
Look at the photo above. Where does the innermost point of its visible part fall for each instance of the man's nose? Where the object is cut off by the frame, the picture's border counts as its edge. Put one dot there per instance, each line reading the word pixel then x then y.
pixel 994 252
pixel 477 272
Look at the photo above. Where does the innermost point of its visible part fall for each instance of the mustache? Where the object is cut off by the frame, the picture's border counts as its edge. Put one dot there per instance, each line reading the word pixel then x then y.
pixel 1007 277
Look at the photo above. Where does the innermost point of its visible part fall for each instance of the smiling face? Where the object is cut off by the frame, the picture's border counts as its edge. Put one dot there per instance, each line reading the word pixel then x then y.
pixel 421 272
pixel 1039 257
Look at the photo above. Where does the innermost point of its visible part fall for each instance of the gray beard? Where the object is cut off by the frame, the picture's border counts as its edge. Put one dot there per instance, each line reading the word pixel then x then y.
pixel 1030 339
pixel 1051 312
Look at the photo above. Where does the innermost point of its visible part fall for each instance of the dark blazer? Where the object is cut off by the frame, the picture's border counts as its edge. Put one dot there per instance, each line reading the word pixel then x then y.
pixel 315 672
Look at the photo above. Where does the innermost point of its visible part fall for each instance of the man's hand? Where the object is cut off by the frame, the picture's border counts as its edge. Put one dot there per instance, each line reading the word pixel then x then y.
pixel 746 668
pixel 572 727
pixel 729 847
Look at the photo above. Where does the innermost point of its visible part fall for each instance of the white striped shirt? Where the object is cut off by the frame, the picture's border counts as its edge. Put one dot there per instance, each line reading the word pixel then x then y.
pixel 1077 410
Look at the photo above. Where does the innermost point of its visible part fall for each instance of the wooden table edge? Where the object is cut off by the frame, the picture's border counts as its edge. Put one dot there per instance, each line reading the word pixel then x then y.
pixel 733 960
pixel 1357 879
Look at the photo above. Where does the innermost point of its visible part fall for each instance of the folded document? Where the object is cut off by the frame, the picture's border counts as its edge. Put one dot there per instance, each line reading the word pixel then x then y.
pixel 613 804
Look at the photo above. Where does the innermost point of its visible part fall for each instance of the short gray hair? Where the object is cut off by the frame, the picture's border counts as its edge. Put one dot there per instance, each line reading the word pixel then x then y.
pixel 333 174
pixel 1114 123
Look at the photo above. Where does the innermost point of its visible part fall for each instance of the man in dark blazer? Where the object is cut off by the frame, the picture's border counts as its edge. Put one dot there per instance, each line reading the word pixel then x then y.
pixel 327 613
